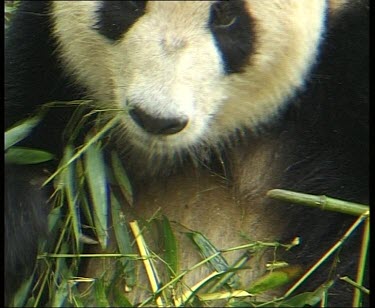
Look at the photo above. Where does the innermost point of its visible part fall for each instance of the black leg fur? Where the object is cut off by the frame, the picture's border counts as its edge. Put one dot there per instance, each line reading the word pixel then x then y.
pixel 26 211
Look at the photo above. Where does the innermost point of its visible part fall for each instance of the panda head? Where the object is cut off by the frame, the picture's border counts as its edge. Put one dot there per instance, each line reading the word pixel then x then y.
pixel 188 73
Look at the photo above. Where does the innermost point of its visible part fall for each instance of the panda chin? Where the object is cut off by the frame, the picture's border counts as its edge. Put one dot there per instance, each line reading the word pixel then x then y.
pixel 192 136
pixel 158 154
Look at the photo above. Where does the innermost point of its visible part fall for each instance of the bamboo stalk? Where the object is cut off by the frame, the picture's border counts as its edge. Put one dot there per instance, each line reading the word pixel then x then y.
pixel 149 267
pixel 322 202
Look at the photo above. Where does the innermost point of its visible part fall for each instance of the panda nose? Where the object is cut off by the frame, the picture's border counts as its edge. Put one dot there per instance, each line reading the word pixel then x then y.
pixel 156 125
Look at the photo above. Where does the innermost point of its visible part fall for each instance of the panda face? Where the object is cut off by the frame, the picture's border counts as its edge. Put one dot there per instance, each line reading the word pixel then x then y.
pixel 170 84
pixel 188 73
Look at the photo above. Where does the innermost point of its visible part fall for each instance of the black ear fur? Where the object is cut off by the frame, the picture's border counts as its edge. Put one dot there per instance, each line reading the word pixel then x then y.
pixel 116 17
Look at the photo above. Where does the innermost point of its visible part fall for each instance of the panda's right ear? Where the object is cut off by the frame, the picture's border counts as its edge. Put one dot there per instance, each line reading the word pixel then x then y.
pixel 116 17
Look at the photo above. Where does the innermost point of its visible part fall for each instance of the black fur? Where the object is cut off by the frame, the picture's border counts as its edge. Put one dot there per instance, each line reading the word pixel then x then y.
pixel 27 69
pixel 230 25
pixel 116 17
pixel 25 224
pixel 326 127
pixel 32 77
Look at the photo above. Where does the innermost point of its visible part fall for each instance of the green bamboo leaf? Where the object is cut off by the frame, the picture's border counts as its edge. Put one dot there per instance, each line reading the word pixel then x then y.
pixel 242 303
pixel 22 293
pixel 85 209
pixel 21 131
pixel 223 295
pixel 97 182
pixel 60 295
pixel 119 298
pixel 26 156
pixel 83 195
pixel 61 292
pixel 54 217
pixel 69 181
pixel 83 149
pixel 274 279
pixel 170 244
pixel 207 249
pixel 308 298
pixel 30 302
pixel 122 178
pixel 77 120
pixel 100 294
pixel 75 298
pixel 219 263
pixel 123 240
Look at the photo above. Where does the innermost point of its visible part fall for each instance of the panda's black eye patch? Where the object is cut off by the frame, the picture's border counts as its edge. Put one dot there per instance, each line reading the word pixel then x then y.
pixel 116 17
pixel 230 25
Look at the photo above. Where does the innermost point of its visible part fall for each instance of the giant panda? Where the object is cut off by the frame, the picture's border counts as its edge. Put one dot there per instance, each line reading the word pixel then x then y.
pixel 222 101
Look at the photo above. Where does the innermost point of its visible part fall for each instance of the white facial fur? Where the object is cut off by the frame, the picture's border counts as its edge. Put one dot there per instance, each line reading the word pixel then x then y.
pixel 168 65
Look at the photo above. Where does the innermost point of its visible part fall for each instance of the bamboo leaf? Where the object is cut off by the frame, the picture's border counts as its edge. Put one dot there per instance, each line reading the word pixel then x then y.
pixel 85 209
pixel 122 178
pixel 53 218
pixel 242 303
pixel 123 240
pixel 309 299
pixel 119 298
pixel 83 149
pixel 61 292
pixel 22 293
pixel 60 295
pixel 170 244
pixel 207 249
pixel 75 298
pixel 26 156
pixel 69 180
pixel 219 263
pixel 96 179
pixel 83 195
pixel 274 279
pixel 21 131
pixel 223 295
pixel 187 295
pixel 100 294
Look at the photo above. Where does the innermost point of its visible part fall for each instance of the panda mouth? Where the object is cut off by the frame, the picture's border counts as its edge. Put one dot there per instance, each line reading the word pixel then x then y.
pixel 163 137
pixel 157 125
